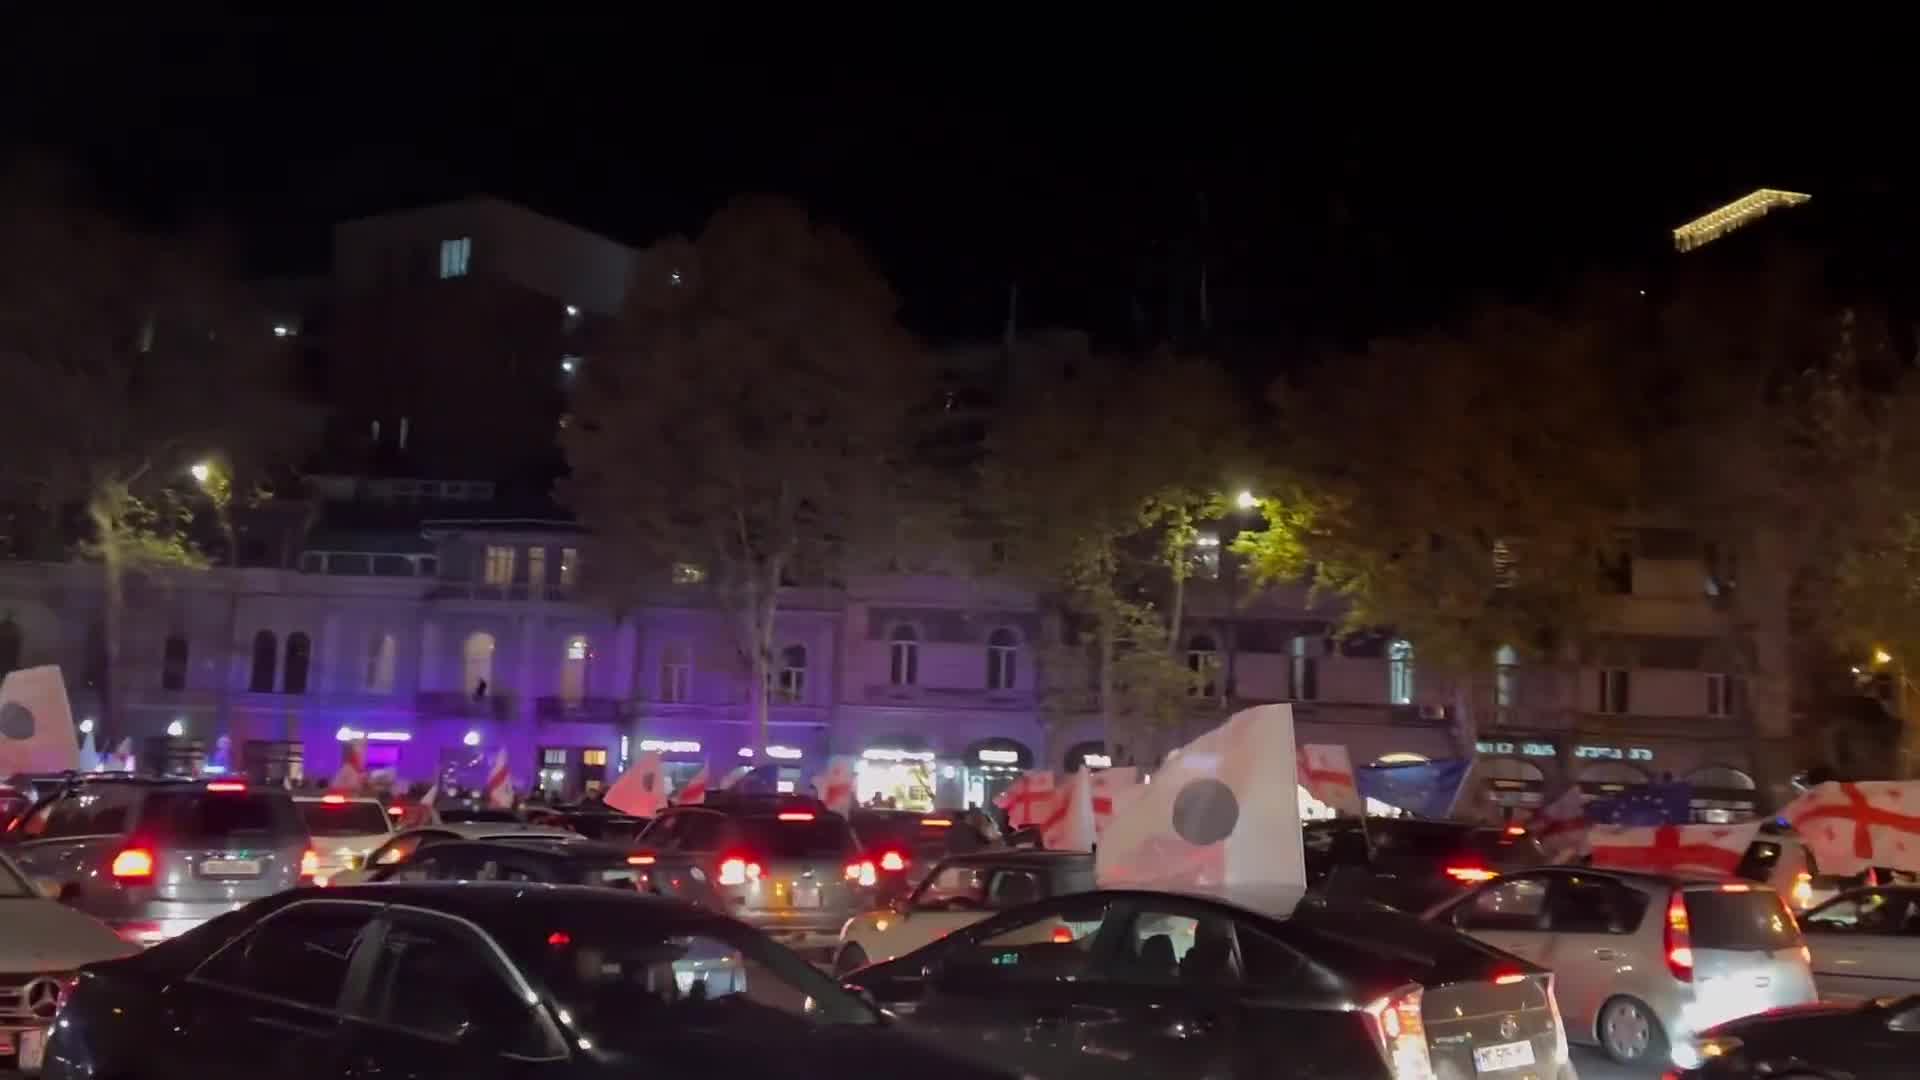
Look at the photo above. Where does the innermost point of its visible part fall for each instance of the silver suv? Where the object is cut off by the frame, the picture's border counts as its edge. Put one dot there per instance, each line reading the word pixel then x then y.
pixel 155 858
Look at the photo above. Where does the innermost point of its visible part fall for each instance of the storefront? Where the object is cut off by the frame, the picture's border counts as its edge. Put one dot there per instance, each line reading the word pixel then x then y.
pixel 1512 774
pixel 571 773
pixel 1606 778
pixel 989 767
pixel 1722 794
pixel 899 772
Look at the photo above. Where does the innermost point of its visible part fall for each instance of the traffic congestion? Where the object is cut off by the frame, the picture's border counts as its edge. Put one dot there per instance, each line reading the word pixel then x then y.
pixel 168 927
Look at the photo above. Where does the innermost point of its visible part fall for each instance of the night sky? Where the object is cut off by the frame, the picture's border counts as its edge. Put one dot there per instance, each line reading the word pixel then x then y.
pixel 1326 198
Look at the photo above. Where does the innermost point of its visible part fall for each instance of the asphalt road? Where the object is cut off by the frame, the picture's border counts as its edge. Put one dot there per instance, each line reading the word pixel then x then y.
pixel 1593 1065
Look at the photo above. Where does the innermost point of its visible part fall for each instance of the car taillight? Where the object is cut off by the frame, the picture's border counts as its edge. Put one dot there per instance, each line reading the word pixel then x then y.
pixel 1062 935
pixel 1471 875
pixel 738 871
pixel 1803 890
pixel 1401 1034
pixel 1679 939
pixel 334 800
pixel 893 860
pixel 1806 954
pixel 133 864
pixel 862 872
pixel 1508 978
pixel 639 860
pixel 795 815
pixel 309 864
pixel 226 785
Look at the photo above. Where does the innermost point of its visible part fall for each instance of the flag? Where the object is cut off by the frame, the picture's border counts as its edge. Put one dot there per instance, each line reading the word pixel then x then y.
pixel 735 776
pixel 122 759
pixel 1028 800
pixel 1113 789
pixel 499 789
pixel 1699 849
pixel 836 786
pixel 352 775
pixel 89 757
pixel 1070 824
pixel 642 789
pixel 423 812
pixel 1644 804
pixel 1213 820
pixel 1427 789
pixel 693 791
pixel 1561 826
pixel 1327 774
pixel 1851 826
pixel 36 723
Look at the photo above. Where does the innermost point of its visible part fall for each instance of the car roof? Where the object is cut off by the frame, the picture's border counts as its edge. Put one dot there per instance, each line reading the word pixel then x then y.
pixel 1645 877
pixel 480 830
pixel 507 904
pixel 1036 858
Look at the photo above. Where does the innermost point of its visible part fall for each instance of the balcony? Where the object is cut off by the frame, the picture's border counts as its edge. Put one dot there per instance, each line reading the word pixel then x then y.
pixel 558 710
pixel 455 703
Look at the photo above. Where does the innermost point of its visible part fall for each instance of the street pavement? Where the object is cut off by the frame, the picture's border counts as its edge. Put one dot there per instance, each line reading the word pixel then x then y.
pixel 1593 1065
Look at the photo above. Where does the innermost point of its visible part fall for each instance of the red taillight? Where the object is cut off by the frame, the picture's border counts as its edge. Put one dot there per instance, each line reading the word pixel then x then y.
pixel 795 815
pixel 893 860
pixel 309 864
pixel 738 871
pixel 1401 1034
pixel 1516 830
pixel 639 860
pixel 226 785
pixel 1736 888
pixel 1679 939
pixel 334 800
pixel 1062 936
pixel 862 872
pixel 133 864
pixel 937 822
pixel 1471 875
pixel 1508 978
pixel 559 939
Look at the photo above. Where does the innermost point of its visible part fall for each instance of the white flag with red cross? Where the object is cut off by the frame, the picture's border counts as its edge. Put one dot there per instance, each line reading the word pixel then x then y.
pixel 836 786
pixel 642 790
pixel 1696 849
pixel 1070 826
pixel 1851 826
pixel 1561 825
pixel 693 791
pixel 499 787
pixel 1113 789
pixel 1028 800
pixel 352 774
pixel 1326 771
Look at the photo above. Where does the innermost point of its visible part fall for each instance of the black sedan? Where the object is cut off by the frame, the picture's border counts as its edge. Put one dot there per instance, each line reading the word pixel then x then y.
pixel 472 981
pixel 1879 1040
pixel 569 862
pixel 1150 984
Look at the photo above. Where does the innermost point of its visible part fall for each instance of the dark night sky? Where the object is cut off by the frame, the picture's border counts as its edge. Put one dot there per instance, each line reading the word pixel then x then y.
pixel 1336 198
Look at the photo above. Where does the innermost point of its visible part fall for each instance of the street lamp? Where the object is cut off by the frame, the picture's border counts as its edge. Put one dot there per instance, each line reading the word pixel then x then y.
pixel 86 726
pixel 1882 657
pixel 1246 500
pixel 472 738
pixel 202 472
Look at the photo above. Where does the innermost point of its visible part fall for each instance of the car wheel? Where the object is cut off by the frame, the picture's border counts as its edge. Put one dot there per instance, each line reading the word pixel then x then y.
pixel 1630 1034
pixel 851 958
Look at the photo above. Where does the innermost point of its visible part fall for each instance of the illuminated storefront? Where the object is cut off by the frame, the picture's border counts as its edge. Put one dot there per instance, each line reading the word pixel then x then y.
pixel 1092 754
pixel 899 773
pixel 989 767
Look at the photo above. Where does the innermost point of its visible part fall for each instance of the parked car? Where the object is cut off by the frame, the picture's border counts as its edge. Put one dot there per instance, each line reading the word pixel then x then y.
pixel 578 862
pixel 1642 961
pixel 1149 984
pixel 343 829
pixel 42 945
pixel 1411 863
pixel 428 981
pixel 1874 1040
pixel 786 865
pixel 155 858
pixel 1866 943
pixel 905 845
pixel 960 892
pixel 403 844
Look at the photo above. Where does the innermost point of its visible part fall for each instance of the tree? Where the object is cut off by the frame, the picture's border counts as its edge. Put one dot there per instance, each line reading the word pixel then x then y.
pixel 753 418
pixel 134 355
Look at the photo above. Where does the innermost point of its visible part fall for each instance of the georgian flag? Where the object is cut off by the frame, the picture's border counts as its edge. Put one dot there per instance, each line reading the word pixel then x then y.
pixel 1029 800
pixel 1663 849
pixel 352 774
pixel 1851 826
pixel 693 791
pixel 836 786
pixel 641 790
pixel 1326 771
pixel 1561 825
pixel 499 789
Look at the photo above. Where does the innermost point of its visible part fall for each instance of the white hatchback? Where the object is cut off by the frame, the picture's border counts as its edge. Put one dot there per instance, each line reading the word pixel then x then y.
pixel 344 830
pixel 959 892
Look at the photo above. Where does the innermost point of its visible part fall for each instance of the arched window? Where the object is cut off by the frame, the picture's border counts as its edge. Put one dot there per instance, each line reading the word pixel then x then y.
pixel 266 658
pixel 1203 659
pixel 676 672
pixel 1400 673
pixel 476 663
pixel 904 647
pixel 382 656
pixel 1506 670
pixel 173 663
pixel 299 658
pixel 10 645
pixel 1003 652
pixel 573 670
pixel 792 685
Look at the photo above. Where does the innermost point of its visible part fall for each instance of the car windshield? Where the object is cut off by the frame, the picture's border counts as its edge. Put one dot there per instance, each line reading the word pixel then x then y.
pixel 1743 919
pixel 344 818
pixel 218 817
pixel 821 837
pixel 628 983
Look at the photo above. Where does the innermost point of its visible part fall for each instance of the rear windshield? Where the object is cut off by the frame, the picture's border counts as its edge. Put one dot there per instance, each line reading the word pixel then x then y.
pixel 219 817
pixel 819 837
pixel 343 819
pixel 1749 919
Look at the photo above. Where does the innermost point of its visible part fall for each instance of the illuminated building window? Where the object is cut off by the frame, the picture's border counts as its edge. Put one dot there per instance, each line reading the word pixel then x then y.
pixel 454 255
pixel 1743 211
pixel 686 573
pixel 1206 555
pixel 1203 659
pixel 569 567
pixel 904 656
pixel 536 566
pixel 1400 673
pixel 1003 652
pixel 792 684
pixel 593 756
pixel 573 671
pixel 498 568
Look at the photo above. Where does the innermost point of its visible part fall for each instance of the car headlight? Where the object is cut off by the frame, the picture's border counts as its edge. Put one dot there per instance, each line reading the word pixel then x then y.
pixel 1695 1054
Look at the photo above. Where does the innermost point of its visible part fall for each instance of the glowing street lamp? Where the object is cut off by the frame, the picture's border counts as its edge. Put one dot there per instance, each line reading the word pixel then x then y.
pixel 202 472
pixel 1246 500
pixel 1882 657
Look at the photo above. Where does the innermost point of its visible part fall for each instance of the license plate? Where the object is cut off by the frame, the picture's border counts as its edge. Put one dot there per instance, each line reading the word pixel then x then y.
pixel 33 1051
pixel 230 868
pixel 806 894
pixel 1511 1055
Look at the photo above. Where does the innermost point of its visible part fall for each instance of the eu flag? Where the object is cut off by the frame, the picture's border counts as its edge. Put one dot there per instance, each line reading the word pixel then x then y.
pixel 1425 789
pixel 1646 804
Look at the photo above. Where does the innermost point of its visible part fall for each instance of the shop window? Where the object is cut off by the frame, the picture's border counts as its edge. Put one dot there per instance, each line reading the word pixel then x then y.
pixel 1400 673
pixel 299 659
pixel 477 663
pixel 676 673
pixel 904 668
pixel 792 684
pixel 173 665
pixel 266 658
pixel 1003 657
pixel 1203 660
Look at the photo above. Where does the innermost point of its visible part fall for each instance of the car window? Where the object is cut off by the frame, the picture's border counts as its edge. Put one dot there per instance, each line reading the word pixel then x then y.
pixel 1267 962
pixel 796 836
pixel 395 850
pixel 189 815
pixel 440 866
pixel 1013 888
pixel 661 834
pixel 1583 904
pixel 350 818
pixel 300 955
pixel 96 810
pixel 1163 945
pixel 1876 911
pixel 1737 917
pixel 1513 904
pixel 1045 946
pixel 699 832
pixel 952 888
pixel 438 979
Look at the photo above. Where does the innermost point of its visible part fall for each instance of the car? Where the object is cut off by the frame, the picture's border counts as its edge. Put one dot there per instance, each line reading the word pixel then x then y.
pixel 1643 962
pixel 959 892
pixel 154 858
pixel 905 845
pixel 404 843
pixel 593 824
pixel 491 980
pixel 785 865
pixel 344 829
pixel 43 945
pixel 1142 983
pixel 1866 943
pixel 1411 863
pixel 1872 1040
pixel 468 815
pixel 581 862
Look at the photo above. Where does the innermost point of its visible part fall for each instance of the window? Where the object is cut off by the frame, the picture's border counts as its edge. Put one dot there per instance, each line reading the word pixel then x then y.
pixel 498 569
pixel 1876 912
pixel 1721 694
pixel 477 657
pixel 382 654
pixel 1304 673
pixel 1171 946
pixel 1514 904
pixel 96 810
pixel 1203 660
pixel 300 955
pixel 1054 944
pixel 536 566
pixel 454 257
pixel 1400 673
pixel 904 649
pixel 569 567
pixel 173 664
pixel 792 685
pixel 1592 905
pixel 299 659
pixel 1206 555
pixel 676 673
pixel 573 670
pixel 1615 691
pixel 686 573
pixel 1506 665
pixel 266 655
pixel 1003 651
pixel 438 979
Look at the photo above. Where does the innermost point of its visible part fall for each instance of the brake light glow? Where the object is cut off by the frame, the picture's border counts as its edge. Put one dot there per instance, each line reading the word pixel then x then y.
pixel 1471 875
pixel 559 939
pixel 1401 1034
pixel 1508 978
pixel 862 873
pixel 309 864
pixel 795 815
pixel 1516 830
pixel 893 860
pixel 1679 939
pixel 226 785
pixel 1062 936
pixel 937 822
pixel 1736 888
pixel 1802 890
pixel 639 860
pixel 396 811
pixel 133 864
pixel 334 800
pixel 738 871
